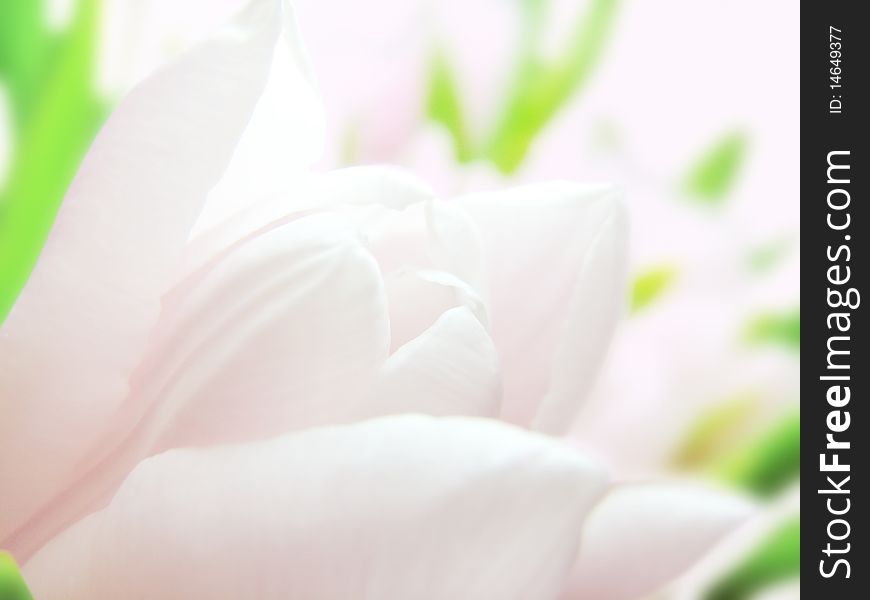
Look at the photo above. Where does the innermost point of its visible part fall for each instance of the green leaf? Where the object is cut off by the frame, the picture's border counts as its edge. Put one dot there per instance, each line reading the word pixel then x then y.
pixel 649 285
pixel 542 87
pixel 768 464
pixel 25 48
pixel 783 329
pixel 444 106
pixel 775 560
pixel 63 119
pixel 715 432
pixel 12 586
pixel 713 176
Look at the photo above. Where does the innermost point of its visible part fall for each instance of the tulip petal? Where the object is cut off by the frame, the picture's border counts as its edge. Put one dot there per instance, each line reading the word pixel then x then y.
pixel 417 298
pixel 450 369
pixel 79 328
pixel 658 530
pixel 286 330
pixel 555 261
pixel 411 234
pixel 284 136
pixel 596 306
pixel 428 235
pixel 430 255
pixel 384 185
pixel 376 192
pixel 390 509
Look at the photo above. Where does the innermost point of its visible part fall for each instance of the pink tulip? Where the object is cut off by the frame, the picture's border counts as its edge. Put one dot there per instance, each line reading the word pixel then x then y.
pixel 229 379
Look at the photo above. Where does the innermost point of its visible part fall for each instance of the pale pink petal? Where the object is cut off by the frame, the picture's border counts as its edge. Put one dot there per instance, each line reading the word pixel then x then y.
pixel 410 233
pixel 281 333
pixel 374 190
pixel 138 36
pixel 397 508
pixel 554 256
pixel 386 185
pixel 287 329
pixel 69 345
pixel 450 369
pixel 640 537
pixel 284 136
pixel 596 306
pixel 428 235
pixel 417 298
pixel 427 258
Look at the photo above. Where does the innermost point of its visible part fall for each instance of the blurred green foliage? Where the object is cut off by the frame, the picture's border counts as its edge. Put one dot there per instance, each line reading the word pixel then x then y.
pixel 49 77
pixel 12 586
pixel 650 284
pixel 775 560
pixel 444 106
pixel 717 443
pixel 541 86
pixel 780 328
pixel 768 464
pixel 715 432
pixel 24 47
pixel 712 177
